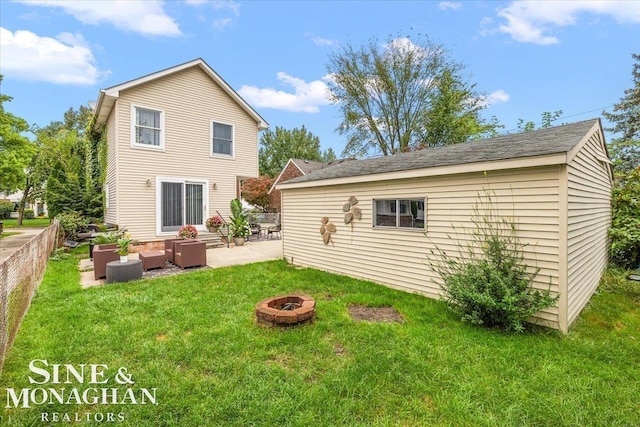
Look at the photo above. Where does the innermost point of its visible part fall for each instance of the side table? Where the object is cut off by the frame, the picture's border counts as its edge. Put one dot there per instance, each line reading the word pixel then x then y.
pixel 124 271
pixel 152 259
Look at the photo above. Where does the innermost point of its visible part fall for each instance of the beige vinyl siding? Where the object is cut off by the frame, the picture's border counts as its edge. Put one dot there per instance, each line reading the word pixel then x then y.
pixel 589 218
pixel 399 257
pixel 190 100
pixel 112 170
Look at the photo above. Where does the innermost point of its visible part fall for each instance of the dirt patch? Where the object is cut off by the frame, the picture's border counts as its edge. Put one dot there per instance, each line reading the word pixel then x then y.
pixel 363 313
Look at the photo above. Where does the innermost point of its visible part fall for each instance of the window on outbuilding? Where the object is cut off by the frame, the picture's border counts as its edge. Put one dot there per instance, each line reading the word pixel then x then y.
pixel 400 213
pixel 222 139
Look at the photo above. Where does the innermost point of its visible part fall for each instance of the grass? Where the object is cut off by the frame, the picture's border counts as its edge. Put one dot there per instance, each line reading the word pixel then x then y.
pixel 26 223
pixel 194 338
pixel 7 234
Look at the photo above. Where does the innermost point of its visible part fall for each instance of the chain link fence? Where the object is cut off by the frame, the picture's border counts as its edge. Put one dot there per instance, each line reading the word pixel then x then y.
pixel 20 275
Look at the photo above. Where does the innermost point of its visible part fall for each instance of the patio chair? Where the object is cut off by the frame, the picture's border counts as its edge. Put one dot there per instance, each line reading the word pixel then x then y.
pixel 169 250
pixel 191 253
pixel 255 229
pixel 103 254
pixel 274 229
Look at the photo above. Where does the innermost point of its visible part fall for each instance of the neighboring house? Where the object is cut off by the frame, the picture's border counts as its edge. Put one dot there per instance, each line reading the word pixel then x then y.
pixel 293 169
pixel 555 183
pixel 180 141
pixel 39 207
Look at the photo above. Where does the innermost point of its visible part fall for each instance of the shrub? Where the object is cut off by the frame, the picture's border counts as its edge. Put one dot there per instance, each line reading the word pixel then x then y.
pixel 489 284
pixel 6 207
pixel 625 221
pixel 71 223
pixel 28 214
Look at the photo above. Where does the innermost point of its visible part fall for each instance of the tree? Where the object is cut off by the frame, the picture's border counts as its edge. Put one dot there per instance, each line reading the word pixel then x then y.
pixel 16 149
pixel 546 121
pixel 64 190
pixel 454 115
pixel 328 155
pixel 255 191
pixel 71 162
pixel 280 146
pixel 626 113
pixel 625 155
pixel 399 96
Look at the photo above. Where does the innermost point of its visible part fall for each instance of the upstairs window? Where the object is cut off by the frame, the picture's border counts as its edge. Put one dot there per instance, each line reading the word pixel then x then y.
pixel 400 213
pixel 222 139
pixel 148 127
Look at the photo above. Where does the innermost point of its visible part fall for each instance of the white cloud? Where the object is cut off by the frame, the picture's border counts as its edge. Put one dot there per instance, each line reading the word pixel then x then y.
pixel 65 60
pixel 444 5
pixel 496 97
pixel 319 41
pixel 307 97
pixel 532 21
pixel 144 17
pixel 220 24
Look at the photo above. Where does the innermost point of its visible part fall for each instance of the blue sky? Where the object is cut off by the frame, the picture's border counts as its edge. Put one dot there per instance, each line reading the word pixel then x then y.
pixel 526 57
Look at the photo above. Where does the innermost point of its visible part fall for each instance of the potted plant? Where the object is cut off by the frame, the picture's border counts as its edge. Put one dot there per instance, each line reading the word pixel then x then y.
pixel 188 232
pixel 102 239
pixel 123 246
pixel 214 223
pixel 239 226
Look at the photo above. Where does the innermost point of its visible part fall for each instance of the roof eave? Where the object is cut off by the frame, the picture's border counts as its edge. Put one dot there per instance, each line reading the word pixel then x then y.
pixel 105 104
pixel 114 91
pixel 522 162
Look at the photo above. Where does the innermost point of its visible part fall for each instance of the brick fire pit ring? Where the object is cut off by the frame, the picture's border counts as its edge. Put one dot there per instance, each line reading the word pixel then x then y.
pixel 286 310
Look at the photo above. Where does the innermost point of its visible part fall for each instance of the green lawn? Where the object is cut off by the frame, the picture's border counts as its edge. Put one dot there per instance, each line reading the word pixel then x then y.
pixel 193 337
pixel 8 233
pixel 26 223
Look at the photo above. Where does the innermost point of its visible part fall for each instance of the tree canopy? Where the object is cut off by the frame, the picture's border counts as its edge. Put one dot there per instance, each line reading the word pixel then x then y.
pixel 626 113
pixel 625 155
pixel 400 95
pixel 16 149
pixel 71 161
pixel 255 191
pixel 277 147
pixel 546 120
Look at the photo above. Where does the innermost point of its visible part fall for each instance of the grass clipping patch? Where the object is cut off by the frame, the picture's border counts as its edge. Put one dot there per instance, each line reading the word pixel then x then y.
pixel 489 284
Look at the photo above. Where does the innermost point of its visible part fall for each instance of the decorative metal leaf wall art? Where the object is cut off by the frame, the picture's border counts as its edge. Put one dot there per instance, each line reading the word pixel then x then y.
pixel 352 211
pixel 326 229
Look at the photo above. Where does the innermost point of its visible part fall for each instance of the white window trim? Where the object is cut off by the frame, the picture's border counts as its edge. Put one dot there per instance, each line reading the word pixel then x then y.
pixel 205 202
pixel 134 144
pixel 397 227
pixel 233 141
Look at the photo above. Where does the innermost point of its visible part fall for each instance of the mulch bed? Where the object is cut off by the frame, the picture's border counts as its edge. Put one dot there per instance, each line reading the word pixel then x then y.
pixel 364 313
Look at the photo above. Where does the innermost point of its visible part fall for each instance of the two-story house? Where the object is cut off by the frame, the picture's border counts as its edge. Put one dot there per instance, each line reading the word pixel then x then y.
pixel 180 141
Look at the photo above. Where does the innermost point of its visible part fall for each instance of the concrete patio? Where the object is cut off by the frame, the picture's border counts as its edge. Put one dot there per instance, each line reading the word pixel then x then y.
pixel 250 252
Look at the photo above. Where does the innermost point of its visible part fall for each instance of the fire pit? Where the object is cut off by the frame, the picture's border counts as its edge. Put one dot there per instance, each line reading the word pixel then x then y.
pixel 287 310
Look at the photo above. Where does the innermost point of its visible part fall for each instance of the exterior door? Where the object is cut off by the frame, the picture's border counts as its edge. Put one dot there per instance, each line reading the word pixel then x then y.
pixel 181 203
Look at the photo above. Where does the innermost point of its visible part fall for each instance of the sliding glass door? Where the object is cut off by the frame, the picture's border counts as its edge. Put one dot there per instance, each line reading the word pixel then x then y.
pixel 181 203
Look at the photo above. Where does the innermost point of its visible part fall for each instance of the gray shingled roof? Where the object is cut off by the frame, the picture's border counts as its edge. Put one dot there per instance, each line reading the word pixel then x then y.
pixel 558 139
pixel 308 166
